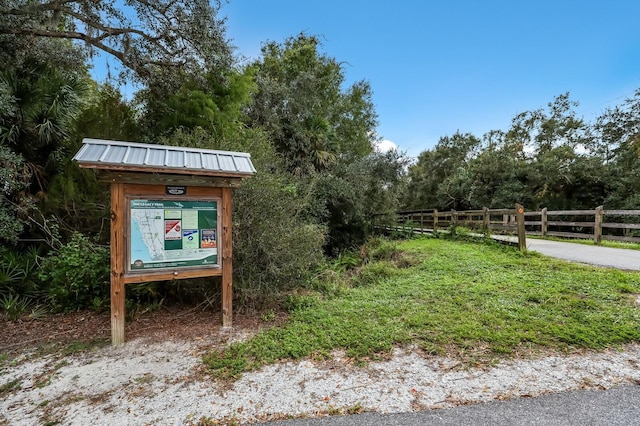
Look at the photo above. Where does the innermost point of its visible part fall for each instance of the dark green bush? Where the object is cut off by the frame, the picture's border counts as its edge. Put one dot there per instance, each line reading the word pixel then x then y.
pixel 76 274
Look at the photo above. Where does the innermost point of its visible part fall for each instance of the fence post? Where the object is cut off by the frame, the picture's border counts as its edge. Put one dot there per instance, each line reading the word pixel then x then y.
pixel 454 217
pixel 435 221
pixel 522 237
pixel 597 226
pixel 485 220
pixel 543 222
pixel 422 221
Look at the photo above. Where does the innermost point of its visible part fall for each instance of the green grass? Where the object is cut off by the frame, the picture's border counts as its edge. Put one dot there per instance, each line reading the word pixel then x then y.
pixel 472 300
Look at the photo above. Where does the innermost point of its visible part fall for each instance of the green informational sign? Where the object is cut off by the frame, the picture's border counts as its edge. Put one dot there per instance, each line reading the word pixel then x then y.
pixel 172 234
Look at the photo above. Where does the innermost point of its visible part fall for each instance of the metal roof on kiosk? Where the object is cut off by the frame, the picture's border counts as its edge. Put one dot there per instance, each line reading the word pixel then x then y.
pixel 131 156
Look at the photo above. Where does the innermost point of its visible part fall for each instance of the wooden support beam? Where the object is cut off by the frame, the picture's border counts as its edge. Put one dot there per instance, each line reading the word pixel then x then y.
pixel 227 258
pixel 486 219
pixel 544 223
pixel 435 221
pixel 597 227
pixel 117 263
pixel 522 237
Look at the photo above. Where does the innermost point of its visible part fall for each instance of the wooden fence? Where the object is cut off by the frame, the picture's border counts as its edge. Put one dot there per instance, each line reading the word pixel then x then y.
pixel 486 221
pixel 598 224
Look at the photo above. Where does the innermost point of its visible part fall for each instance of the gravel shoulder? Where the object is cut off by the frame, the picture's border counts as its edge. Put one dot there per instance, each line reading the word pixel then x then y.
pixel 160 380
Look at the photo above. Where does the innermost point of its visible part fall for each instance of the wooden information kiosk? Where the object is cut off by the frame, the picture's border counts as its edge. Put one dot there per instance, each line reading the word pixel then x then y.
pixel 170 215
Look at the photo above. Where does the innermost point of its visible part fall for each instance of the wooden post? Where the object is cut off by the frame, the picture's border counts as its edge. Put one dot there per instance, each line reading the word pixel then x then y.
pixel 543 222
pixel 597 226
pixel 435 221
pixel 422 221
pixel 454 217
pixel 227 258
pixel 522 237
pixel 117 263
pixel 485 220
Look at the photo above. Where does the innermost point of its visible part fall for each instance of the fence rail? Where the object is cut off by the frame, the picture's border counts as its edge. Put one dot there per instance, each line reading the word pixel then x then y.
pixel 597 224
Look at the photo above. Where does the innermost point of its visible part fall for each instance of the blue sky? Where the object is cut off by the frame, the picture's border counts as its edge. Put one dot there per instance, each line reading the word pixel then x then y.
pixel 441 66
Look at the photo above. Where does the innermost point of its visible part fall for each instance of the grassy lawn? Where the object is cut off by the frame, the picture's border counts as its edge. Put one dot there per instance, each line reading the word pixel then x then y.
pixel 472 300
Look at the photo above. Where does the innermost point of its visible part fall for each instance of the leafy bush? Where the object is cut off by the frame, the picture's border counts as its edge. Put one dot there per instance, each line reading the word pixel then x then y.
pixel 14 179
pixel 274 248
pixel 76 274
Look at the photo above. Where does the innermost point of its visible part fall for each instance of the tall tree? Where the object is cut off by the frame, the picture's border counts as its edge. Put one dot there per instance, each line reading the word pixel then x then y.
pixel 143 35
pixel 217 106
pixel 440 178
pixel 619 132
pixel 300 102
pixel 554 141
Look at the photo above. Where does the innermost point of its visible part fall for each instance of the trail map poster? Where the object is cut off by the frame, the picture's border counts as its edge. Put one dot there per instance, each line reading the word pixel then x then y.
pixel 172 234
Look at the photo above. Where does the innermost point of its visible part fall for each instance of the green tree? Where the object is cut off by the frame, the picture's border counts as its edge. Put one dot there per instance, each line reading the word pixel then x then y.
pixel 355 194
pixel 302 106
pixel 35 123
pixel 441 177
pixel 144 36
pixel 553 140
pixel 218 106
pixel 106 115
pixel 499 173
pixel 619 132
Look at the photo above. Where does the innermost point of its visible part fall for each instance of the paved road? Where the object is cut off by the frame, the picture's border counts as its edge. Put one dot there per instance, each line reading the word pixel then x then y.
pixel 593 255
pixel 616 406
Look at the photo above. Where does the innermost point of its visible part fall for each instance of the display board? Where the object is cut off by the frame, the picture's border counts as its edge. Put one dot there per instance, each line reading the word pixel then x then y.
pixel 172 234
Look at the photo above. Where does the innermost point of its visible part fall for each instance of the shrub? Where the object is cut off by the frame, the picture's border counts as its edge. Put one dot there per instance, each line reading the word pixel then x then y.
pixel 274 248
pixel 76 274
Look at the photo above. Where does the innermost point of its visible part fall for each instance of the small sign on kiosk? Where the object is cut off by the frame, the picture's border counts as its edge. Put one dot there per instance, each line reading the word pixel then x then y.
pixel 170 215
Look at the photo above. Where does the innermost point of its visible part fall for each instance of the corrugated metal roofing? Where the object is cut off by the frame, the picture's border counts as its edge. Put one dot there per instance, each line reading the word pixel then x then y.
pixel 118 155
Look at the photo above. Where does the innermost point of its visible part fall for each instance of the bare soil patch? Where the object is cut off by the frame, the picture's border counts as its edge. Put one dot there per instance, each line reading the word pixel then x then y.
pixel 176 323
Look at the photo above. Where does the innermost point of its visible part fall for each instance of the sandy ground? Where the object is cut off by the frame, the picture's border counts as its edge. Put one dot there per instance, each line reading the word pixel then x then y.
pixel 164 383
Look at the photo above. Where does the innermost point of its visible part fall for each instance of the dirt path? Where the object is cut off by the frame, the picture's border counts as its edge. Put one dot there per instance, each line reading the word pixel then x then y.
pixel 158 378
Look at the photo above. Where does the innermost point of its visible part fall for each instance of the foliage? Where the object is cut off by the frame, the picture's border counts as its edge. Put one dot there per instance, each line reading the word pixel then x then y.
pixel 142 35
pixel 14 306
pixel 547 158
pixel 484 301
pixel 619 132
pixel 76 273
pixel 217 107
pixel 106 115
pixel 14 180
pixel 275 249
pixel 350 195
pixel 301 104
pixel 440 176
pixel 275 246
pixel 19 272
pixel 36 122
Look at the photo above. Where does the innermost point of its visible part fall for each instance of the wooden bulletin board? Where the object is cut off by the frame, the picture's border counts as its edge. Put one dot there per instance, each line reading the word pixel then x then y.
pixel 187 235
